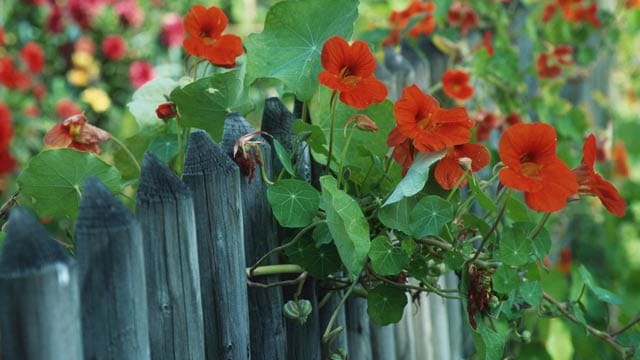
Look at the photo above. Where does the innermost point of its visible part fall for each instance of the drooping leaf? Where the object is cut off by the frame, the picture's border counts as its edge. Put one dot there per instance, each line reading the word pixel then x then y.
pixel 429 215
pixel 165 147
pixel 54 180
pixel 385 304
pixel 347 224
pixel 204 104
pixel 283 156
pixel 147 98
pixel 416 177
pixel 505 279
pixel 396 215
pixel 289 47
pixel 319 261
pixel 601 293
pixel 386 259
pixel 294 202
pixel 489 343
pixel 515 246
pixel 531 292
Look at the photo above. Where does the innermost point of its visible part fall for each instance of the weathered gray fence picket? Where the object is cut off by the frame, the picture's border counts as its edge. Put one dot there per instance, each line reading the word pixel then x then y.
pixel 39 296
pixel 112 277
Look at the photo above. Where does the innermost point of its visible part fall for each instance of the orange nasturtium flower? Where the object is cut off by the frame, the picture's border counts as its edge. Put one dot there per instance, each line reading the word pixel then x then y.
pixel 448 170
pixel 75 133
pixel 204 29
pixel 455 83
pixel 532 166
pixel 431 128
pixel 592 183
pixel 620 159
pixel 348 69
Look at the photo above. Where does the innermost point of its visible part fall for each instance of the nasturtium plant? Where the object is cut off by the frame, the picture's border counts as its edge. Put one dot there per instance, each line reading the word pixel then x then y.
pixel 294 202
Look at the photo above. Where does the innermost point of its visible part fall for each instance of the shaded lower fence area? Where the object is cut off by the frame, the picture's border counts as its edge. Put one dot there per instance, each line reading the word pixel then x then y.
pixel 171 281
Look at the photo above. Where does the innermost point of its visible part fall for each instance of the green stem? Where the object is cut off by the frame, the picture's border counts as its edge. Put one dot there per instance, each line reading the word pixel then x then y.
pixel 275 270
pixel 539 226
pixel 332 117
pixel 263 171
pixel 435 87
pixel 127 151
pixel 251 271
pixel 489 233
pixel 328 332
pixel 428 288
pixel 343 157
pixel 179 158
pixel 456 186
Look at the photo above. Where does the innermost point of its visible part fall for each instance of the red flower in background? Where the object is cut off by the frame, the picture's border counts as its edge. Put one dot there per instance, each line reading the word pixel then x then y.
pixel 529 153
pixel 1 36
pixel 33 55
pixel 348 69
pixel 461 14
pixel 204 29
pixel 486 42
pixel 620 159
pixel 592 183
pixel 172 34
pixel 39 91
pixel 113 47
pixel 6 126
pixel 573 11
pixel 75 133
pixel 403 152
pixel 455 83
pixel 11 77
pixel 55 23
pixel 399 20
pixel 631 4
pixel 7 162
pixel 66 108
pixel 549 64
pixel 140 72
pixel 448 170
pixel 420 118
pixel 513 119
pixel 485 123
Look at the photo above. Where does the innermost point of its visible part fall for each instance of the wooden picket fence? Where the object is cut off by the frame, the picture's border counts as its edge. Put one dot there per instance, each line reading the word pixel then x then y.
pixel 170 282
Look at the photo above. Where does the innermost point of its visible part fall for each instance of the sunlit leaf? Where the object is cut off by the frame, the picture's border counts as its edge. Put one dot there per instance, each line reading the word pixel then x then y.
pixel 294 202
pixel 147 98
pixel 429 215
pixel 387 259
pixel 601 293
pixel 416 177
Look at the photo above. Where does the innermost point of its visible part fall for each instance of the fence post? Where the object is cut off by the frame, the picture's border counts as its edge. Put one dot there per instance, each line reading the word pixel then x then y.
pixel 358 333
pixel 215 181
pixel 165 211
pixel 383 342
pixel 39 297
pixel 268 334
pixel 303 341
pixel 112 281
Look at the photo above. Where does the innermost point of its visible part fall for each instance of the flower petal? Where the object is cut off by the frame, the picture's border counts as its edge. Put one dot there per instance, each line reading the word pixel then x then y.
pixel 538 140
pixel 367 91
pixel 448 171
pixel 608 195
pixel 360 59
pixel 589 151
pixel 335 54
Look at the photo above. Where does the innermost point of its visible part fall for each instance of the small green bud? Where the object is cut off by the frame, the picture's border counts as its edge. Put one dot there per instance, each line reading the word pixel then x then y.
pixel 526 336
pixel 494 302
pixel 298 310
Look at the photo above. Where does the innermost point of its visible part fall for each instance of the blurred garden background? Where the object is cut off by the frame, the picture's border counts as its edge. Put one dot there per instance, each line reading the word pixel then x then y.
pixel 62 57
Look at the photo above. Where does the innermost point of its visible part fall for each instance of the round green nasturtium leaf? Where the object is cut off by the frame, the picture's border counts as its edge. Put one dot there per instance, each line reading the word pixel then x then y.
pixel 294 202
pixel 321 234
pixel 505 279
pixel 385 304
pixel 515 246
pixel 54 180
pixel 541 244
pixel 320 261
pixel 289 47
pixel 165 147
pixel 396 215
pixel 387 259
pixel 429 215
pixel 347 224
pixel 531 292
pixel 205 104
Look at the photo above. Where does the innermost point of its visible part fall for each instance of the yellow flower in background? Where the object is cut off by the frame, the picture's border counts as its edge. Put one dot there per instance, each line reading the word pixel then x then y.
pixel 85 69
pixel 82 59
pixel 96 98
pixel 78 77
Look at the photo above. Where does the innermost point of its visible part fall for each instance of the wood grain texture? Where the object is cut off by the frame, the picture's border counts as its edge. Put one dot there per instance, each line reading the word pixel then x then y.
pixel 39 297
pixel 215 181
pixel 112 280
pixel 165 211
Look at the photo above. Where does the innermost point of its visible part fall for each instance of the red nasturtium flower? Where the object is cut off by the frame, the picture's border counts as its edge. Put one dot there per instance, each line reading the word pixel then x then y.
pixel 204 29
pixel 6 126
pixel 11 77
pixel 448 170
pixel 592 183
pixel 1 36
pixel 403 152
pixel 172 34
pixel 620 159
pixel 75 133
pixel 486 42
pixel 529 153
pixel 66 108
pixel 399 20
pixel 420 118
pixel 455 83
pixel 166 110
pixel 461 14
pixel 348 69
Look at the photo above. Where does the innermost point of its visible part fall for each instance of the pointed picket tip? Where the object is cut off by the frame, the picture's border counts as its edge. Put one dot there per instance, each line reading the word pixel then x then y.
pixel 100 209
pixel 277 120
pixel 157 181
pixel 235 125
pixel 28 247
pixel 204 156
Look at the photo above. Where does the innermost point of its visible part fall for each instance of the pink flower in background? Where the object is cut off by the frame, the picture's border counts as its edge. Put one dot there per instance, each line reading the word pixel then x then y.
pixel 39 91
pixel 113 47
pixel 129 13
pixel 33 55
pixel 172 30
pixel 83 11
pixel 85 44
pixel 66 108
pixel 1 36
pixel 140 72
